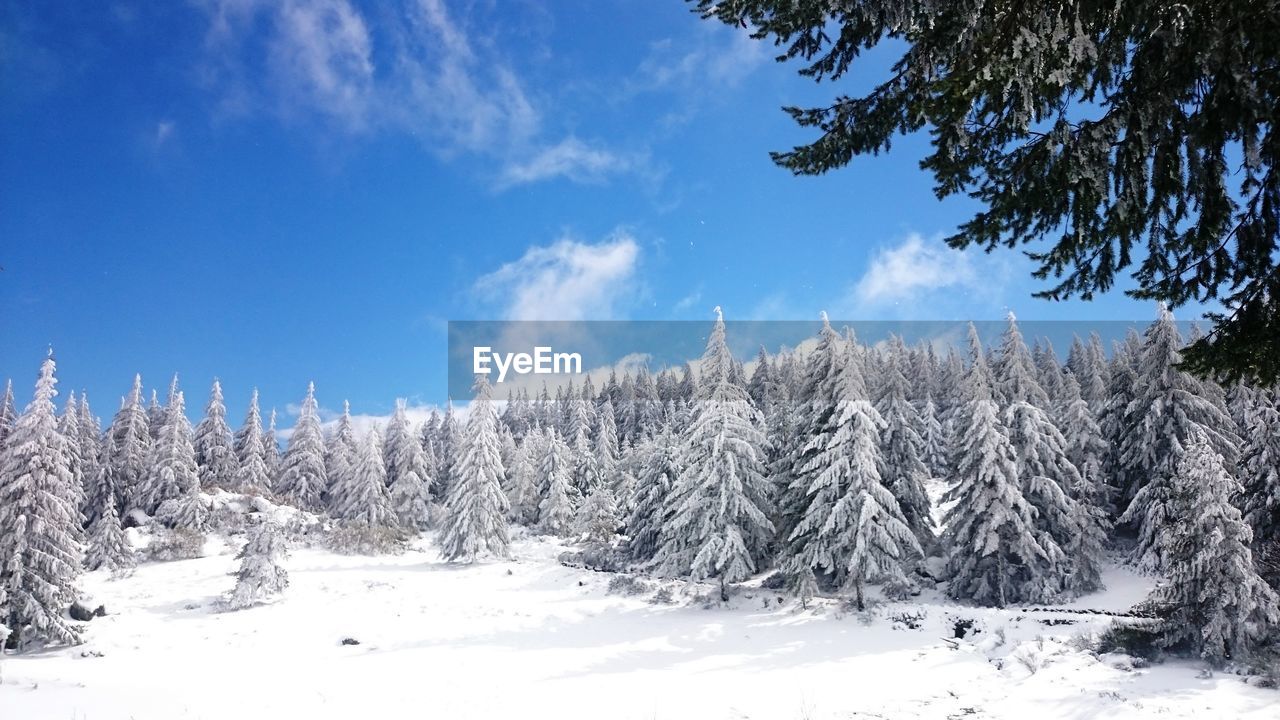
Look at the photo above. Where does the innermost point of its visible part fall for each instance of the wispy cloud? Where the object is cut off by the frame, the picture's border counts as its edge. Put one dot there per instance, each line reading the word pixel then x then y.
pixel 572 159
pixel 414 70
pixel 715 58
pixel 915 269
pixel 567 280
pixel 904 271
pixel 320 59
pixel 442 88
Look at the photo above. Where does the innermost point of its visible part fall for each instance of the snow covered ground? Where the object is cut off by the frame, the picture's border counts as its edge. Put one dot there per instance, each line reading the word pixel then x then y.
pixel 534 639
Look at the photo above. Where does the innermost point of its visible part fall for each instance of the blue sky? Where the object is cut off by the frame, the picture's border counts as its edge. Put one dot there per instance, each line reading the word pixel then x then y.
pixel 277 192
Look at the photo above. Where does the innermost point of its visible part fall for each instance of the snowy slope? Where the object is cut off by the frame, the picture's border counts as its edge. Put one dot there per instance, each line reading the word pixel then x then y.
pixel 534 639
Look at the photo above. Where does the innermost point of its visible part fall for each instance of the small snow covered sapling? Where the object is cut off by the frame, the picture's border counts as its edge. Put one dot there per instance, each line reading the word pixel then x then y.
pixel 598 516
pixel 108 546
pixel 805 586
pixel 261 574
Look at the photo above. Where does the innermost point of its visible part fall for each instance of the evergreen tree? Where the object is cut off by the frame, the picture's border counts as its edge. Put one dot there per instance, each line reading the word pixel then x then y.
pixel 805 586
pixel 156 413
pixel 522 482
pixel 607 451
pixel 1119 420
pixel 1172 410
pixel 559 495
pixel 126 452
pixel 853 529
pixel 40 550
pixel 995 556
pixel 1048 373
pixel 1260 469
pixel 302 479
pixel 253 475
pixel 903 453
pixel 598 517
pixel 171 466
pixel 1163 166
pixel 446 445
pixel 271 449
pixel 659 471
pixel 1213 599
pixel 1087 364
pixel 90 443
pixel 251 427
pixel 69 428
pixel 1046 474
pixel 717 527
pixel 215 455
pixel 109 548
pixel 407 473
pixel 587 474
pixel 1086 449
pixel 933 440
pixel 341 453
pixel 8 414
pixel 261 572
pixel 368 502
pixel 816 401
pixel 475 517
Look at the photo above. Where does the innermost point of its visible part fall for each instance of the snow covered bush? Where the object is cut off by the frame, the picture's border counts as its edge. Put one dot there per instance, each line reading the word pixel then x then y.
pixel 628 585
pixel 175 544
pixel 1139 640
pixel 261 574
pixel 349 537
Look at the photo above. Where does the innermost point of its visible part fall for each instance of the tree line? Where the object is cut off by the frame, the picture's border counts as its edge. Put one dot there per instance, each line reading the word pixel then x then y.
pixel 818 465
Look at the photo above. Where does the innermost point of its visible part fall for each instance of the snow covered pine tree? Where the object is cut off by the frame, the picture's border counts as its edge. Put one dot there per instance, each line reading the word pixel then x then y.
pixel 261 573
pixel 716 523
pixel 40 531
pixel 475 510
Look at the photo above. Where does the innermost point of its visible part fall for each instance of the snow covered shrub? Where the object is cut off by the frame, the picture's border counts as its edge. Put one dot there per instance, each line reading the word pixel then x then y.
pixel 909 619
pixel 357 538
pixel 628 585
pixel 261 574
pixel 227 520
pixel 175 544
pixel 1140 641
pixel 776 581
pixel 662 597
pixel 1266 669
pixel 601 558
pixel 189 511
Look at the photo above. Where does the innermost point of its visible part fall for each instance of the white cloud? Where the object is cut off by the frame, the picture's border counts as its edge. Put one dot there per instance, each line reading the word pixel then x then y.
pixel 316 58
pixel 715 58
pixel 320 56
pixel 572 159
pixel 443 89
pixel 567 280
pixel 915 266
pixel 411 69
pixel 925 278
